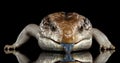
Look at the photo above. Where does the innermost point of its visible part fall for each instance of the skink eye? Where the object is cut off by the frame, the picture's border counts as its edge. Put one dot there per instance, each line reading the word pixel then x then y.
pixel 80 29
pixel 53 27
pixel 85 25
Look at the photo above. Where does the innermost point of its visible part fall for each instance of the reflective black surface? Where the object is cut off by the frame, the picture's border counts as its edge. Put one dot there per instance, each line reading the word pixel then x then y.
pixel 31 53
pixel 55 57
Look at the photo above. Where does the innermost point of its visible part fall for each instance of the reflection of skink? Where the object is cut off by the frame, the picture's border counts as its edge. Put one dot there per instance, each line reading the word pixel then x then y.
pixel 66 29
pixel 79 57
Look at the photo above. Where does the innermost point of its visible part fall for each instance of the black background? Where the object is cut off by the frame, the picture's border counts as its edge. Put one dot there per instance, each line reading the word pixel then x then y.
pixel 103 15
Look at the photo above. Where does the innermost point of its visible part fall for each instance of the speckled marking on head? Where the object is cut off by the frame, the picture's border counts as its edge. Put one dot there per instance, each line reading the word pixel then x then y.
pixel 67 24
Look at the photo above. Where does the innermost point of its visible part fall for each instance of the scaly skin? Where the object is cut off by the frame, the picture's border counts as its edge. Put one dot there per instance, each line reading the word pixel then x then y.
pixel 63 28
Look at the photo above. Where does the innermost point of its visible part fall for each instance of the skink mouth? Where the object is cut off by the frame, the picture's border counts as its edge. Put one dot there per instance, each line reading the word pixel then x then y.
pixel 64 42
pixel 57 42
pixel 52 40
pixel 67 46
pixel 82 40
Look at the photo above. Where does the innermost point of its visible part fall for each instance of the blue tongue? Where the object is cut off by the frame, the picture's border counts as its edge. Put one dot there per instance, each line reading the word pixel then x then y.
pixel 67 47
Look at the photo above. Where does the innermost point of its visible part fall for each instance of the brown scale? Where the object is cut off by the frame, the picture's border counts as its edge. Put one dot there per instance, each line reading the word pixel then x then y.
pixel 67 23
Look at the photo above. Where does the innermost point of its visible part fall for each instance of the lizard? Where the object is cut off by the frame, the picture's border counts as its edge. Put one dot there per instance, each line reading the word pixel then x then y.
pixel 61 31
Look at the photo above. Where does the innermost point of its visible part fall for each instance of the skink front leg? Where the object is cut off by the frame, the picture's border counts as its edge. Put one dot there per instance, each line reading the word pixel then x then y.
pixel 29 30
pixel 102 39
